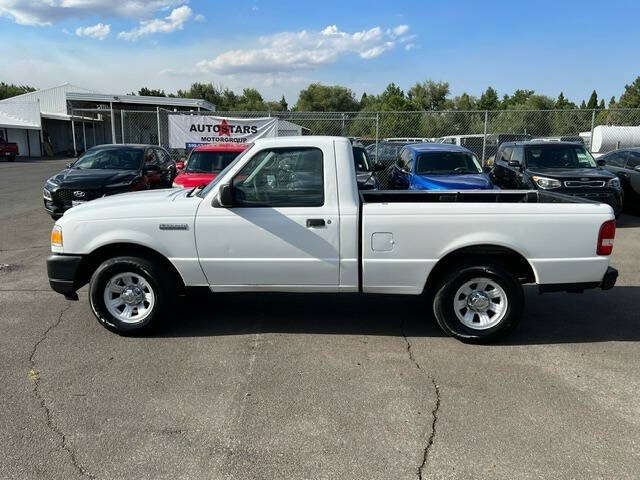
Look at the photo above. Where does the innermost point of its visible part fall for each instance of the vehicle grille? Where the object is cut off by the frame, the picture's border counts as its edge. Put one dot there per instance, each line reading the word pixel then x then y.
pixel 582 183
pixel 66 196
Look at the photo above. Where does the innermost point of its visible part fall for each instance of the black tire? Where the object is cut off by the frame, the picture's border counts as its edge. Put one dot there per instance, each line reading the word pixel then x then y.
pixel 11 159
pixel 444 308
pixel 158 281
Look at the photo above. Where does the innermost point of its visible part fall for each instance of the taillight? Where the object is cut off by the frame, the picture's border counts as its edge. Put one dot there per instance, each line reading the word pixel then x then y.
pixel 605 238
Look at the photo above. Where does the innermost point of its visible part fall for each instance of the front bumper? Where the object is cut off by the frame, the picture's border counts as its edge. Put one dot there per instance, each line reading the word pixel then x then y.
pixel 64 274
pixel 607 283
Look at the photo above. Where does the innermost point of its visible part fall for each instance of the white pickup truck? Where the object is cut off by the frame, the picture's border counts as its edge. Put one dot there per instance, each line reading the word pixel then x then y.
pixel 287 216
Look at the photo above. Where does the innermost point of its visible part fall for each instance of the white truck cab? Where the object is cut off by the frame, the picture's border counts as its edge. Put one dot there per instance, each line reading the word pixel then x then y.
pixel 286 216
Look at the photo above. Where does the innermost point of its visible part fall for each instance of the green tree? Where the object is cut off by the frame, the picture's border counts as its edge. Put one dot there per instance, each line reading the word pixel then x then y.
pixel 592 104
pixel 10 90
pixel 204 91
pixel 563 104
pixel 489 100
pixel 284 106
pixel 630 98
pixel 151 92
pixel 465 102
pixel 612 102
pixel 518 99
pixel 251 100
pixel 583 105
pixel 322 98
pixel 429 95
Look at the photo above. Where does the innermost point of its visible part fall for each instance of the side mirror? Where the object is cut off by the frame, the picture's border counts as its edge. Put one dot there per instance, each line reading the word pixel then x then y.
pixel 224 199
pixel 514 163
pixel 377 166
pixel 601 163
pixel 151 168
pixel 180 164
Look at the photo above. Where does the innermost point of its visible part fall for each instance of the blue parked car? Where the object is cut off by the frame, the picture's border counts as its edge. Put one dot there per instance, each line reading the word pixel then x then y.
pixel 438 166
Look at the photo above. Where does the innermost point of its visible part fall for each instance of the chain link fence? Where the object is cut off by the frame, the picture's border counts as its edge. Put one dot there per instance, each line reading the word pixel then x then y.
pixel 383 133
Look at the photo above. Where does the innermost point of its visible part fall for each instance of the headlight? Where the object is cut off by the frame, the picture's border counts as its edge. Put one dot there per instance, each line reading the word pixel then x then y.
pixel 56 238
pixel 176 185
pixel 614 183
pixel 547 183
pixel 47 194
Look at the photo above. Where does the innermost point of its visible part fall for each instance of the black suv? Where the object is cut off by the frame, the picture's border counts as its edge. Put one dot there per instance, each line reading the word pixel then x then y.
pixel 107 170
pixel 563 167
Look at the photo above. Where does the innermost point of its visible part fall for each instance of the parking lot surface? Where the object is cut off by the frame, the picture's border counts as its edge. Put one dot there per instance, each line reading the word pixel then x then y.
pixel 290 387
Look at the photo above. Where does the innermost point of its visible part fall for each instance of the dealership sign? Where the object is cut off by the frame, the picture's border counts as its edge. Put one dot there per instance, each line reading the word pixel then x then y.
pixel 189 131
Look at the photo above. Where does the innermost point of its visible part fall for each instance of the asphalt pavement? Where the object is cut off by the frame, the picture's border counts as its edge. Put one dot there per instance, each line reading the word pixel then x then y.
pixel 308 386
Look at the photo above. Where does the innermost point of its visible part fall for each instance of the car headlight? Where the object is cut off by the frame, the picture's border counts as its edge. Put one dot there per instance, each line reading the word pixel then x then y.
pixel 547 183
pixel 614 183
pixel 176 185
pixel 56 238
pixel 47 194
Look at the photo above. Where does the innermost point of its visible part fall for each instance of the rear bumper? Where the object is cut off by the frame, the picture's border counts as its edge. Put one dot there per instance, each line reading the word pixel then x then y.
pixel 607 283
pixel 64 274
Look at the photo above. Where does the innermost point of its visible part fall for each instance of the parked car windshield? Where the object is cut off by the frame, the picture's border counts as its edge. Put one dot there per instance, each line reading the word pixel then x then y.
pixel 447 163
pixel 122 158
pixel 209 162
pixel 361 160
pixel 558 156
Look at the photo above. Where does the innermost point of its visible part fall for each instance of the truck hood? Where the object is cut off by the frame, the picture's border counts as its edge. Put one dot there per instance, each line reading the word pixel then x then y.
pixel 479 181
pixel 169 202
pixel 92 178
pixel 572 173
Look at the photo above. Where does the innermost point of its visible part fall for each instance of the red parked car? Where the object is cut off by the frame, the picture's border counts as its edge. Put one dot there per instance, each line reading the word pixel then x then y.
pixel 204 164
pixel 8 150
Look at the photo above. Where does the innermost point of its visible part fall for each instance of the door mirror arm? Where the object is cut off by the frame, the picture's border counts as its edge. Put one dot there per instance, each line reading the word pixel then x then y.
pixel 224 198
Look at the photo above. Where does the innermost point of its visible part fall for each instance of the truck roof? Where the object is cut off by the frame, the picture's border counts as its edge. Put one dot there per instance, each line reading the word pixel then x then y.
pixel 300 140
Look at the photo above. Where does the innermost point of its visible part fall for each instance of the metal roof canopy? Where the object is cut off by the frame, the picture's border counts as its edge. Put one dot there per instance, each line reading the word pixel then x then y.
pixel 140 100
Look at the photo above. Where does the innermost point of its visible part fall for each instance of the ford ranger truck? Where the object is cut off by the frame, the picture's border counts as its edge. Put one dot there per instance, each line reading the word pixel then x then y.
pixel 286 216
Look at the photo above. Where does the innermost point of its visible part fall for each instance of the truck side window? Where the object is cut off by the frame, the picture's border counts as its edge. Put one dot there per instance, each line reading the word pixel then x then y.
pixel 518 154
pixel 281 177
pixel 633 159
pixel 505 155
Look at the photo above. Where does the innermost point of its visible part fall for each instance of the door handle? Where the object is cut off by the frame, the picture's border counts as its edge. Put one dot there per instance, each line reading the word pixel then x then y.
pixel 315 222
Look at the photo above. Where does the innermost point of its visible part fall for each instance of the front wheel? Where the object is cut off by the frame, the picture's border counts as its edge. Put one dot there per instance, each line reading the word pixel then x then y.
pixel 129 295
pixel 478 304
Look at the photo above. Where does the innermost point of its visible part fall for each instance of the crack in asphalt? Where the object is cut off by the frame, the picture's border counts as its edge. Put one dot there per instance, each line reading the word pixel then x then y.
pixel 434 411
pixel 34 374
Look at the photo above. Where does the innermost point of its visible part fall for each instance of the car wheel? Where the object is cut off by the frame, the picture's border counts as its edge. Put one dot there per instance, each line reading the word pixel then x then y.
pixel 478 304
pixel 11 159
pixel 129 295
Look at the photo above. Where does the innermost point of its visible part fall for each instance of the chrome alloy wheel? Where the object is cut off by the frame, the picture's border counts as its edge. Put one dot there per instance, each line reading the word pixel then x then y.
pixel 129 297
pixel 480 303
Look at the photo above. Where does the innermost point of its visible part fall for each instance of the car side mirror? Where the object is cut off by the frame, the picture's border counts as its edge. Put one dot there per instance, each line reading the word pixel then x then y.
pixel 224 199
pixel 151 168
pixel 180 164
pixel 514 163
pixel 601 163
pixel 377 166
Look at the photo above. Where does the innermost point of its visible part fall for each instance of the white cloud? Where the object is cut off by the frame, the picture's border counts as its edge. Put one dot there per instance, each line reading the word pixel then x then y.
pixel 409 46
pixel 175 21
pixel 400 30
pixel 48 12
pixel 98 31
pixel 199 18
pixel 304 50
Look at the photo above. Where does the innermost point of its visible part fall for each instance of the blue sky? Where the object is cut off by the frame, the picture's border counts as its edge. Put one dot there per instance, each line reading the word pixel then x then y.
pixel 280 47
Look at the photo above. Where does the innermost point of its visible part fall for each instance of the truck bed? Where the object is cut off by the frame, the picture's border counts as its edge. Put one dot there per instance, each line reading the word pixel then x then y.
pixel 468 196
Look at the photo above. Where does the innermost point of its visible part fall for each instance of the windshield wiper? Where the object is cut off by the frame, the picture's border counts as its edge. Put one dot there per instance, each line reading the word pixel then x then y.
pixel 193 190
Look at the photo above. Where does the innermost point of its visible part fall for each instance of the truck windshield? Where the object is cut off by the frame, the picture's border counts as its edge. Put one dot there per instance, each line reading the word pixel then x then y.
pixel 209 162
pixel 120 158
pixel 203 193
pixel 447 163
pixel 558 156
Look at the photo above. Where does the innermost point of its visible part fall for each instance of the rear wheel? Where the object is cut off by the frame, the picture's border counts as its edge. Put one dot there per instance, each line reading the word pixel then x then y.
pixel 129 295
pixel 478 304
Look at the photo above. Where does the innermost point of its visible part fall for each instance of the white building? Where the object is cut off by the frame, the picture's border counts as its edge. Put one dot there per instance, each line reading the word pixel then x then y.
pixel 71 118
